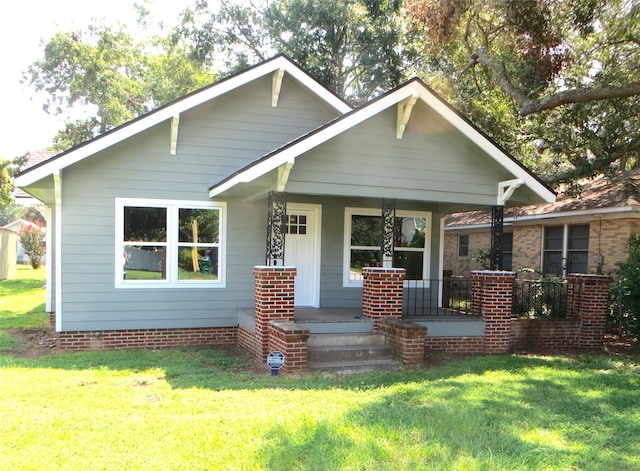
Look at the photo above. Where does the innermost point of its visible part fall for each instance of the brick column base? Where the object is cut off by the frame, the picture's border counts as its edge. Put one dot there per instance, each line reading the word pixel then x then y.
pixel 291 340
pixel 493 294
pixel 275 290
pixel 589 300
pixel 382 292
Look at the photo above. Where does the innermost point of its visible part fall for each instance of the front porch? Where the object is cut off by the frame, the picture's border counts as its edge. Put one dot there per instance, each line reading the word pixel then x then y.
pixel 489 326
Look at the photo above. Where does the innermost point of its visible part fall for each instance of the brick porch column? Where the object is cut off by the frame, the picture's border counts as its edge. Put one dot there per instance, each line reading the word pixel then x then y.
pixel 493 294
pixel 589 300
pixel 382 292
pixel 275 290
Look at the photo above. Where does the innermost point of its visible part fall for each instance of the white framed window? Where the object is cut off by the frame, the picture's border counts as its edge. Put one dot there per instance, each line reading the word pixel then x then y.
pixel 363 243
pixel 169 243
pixel 565 249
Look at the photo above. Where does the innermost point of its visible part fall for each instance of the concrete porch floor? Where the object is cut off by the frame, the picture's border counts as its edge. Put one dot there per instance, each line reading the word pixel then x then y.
pixel 312 314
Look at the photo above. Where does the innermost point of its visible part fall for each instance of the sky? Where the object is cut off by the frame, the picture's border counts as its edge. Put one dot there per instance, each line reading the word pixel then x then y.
pixel 24 126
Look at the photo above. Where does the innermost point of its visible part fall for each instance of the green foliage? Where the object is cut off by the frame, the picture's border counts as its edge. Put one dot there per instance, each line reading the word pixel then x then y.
pixel 356 48
pixel 8 168
pixel 32 240
pixel 499 60
pixel 625 293
pixel 112 77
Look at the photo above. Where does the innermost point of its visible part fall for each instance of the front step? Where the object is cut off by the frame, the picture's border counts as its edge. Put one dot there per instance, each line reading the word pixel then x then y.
pixel 350 353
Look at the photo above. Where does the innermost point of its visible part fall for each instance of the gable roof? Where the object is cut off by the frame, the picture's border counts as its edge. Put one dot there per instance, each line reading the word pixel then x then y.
pixel 413 89
pixel 280 63
pixel 599 195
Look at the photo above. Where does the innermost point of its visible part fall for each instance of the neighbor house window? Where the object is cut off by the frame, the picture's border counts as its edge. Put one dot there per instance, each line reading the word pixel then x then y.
pixel 169 243
pixel 507 251
pixel 363 243
pixel 463 246
pixel 566 249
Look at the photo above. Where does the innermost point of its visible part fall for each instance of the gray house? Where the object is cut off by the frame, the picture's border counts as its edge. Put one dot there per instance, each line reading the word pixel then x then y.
pixel 156 225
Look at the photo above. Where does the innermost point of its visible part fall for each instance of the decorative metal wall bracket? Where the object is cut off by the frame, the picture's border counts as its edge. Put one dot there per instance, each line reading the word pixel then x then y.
pixel 388 232
pixel 276 228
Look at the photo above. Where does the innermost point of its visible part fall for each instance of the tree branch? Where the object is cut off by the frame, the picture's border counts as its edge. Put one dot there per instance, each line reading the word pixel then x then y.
pixel 529 106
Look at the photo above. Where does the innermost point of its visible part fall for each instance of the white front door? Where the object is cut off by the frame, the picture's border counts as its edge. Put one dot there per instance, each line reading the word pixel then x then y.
pixel 302 251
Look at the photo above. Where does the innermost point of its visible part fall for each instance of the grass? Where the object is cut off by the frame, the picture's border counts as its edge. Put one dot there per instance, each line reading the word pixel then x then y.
pixel 200 409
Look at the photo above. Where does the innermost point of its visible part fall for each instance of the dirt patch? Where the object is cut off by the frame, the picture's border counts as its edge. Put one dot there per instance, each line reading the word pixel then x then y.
pixel 34 343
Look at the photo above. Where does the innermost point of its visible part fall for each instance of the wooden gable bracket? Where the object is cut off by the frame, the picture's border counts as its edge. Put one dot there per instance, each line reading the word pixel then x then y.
pixel 175 123
pixel 404 113
pixel 283 175
pixel 275 87
pixel 506 189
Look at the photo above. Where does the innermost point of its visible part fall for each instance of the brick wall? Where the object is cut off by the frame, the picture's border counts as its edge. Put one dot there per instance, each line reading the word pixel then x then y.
pixel 462 266
pixel 527 246
pixel 465 345
pixel 291 340
pixel 146 338
pixel 611 239
pixel 406 339
pixel 544 334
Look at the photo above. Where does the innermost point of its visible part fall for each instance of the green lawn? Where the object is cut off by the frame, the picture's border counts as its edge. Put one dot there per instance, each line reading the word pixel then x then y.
pixel 198 409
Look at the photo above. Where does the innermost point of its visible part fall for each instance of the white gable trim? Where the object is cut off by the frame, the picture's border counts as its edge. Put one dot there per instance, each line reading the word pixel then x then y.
pixel 168 112
pixel 406 92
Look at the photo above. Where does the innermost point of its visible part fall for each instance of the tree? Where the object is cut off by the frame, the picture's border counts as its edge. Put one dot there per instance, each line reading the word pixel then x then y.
pixel 564 75
pixel 8 168
pixel 32 240
pixel 626 291
pixel 104 70
pixel 357 48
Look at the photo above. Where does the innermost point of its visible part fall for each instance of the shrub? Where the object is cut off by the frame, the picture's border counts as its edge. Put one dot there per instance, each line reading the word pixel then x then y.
pixel 625 293
pixel 32 240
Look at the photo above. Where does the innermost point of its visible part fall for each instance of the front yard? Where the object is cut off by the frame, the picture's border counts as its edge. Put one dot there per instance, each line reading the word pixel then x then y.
pixel 210 409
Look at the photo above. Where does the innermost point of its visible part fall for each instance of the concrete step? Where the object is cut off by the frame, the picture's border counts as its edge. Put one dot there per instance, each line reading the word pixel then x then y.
pixel 338 340
pixel 350 353
pixel 353 367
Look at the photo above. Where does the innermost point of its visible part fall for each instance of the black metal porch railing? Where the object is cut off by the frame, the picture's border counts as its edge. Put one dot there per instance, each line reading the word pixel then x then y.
pixel 542 298
pixel 421 298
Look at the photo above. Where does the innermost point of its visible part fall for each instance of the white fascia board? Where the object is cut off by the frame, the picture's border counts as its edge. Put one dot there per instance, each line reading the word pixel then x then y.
pixel 164 114
pixel 583 212
pixel 289 154
pixel 564 214
pixel 487 146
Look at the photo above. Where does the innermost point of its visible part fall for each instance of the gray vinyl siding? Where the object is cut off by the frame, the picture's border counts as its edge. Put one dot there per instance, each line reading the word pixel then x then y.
pixel 430 163
pixel 214 140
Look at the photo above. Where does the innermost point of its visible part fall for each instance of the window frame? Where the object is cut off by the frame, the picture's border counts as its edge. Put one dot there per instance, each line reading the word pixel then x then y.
pixel 349 212
pixel 460 245
pixel 565 250
pixel 172 243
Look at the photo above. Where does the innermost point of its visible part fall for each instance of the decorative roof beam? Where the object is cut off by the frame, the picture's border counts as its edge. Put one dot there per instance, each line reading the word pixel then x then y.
pixel 276 85
pixel 404 113
pixel 506 189
pixel 283 175
pixel 175 123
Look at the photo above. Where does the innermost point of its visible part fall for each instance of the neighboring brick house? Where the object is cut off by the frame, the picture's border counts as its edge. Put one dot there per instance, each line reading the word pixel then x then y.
pixel 584 234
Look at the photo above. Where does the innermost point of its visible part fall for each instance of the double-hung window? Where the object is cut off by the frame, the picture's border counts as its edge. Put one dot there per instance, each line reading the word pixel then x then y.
pixel 566 249
pixel 363 243
pixel 166 243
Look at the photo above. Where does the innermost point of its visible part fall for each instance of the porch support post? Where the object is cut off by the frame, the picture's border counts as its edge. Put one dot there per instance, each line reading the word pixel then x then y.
pixel 276 228
pixel 388 232
pixel 588 299
pixel 275 290
pixel 382 292
pixel 497 225
pixel 493 294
